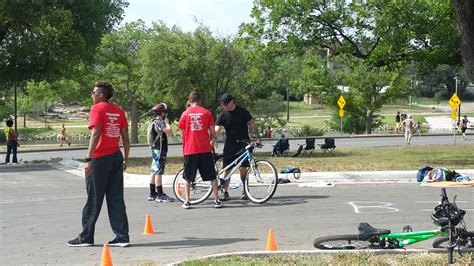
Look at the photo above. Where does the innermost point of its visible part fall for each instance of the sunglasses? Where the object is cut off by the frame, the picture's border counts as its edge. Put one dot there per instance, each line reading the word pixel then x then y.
pixel 225 103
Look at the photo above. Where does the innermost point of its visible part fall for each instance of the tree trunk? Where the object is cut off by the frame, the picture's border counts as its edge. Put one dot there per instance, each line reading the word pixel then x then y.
pixel 465 18
pixel 24 120
pixel 134 119
pixel 368 122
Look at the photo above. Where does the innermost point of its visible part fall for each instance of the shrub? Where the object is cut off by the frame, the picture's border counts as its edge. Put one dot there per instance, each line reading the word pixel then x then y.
pixel 306 131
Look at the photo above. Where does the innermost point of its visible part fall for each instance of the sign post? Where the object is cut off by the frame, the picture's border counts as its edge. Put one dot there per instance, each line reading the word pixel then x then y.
pixel 454 102
pixel 341 102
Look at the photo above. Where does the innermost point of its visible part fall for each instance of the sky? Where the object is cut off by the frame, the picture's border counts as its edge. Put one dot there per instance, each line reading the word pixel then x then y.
pixel 221 16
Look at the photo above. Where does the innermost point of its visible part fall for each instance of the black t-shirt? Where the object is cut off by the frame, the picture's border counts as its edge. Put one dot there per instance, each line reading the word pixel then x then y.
pixel 235 124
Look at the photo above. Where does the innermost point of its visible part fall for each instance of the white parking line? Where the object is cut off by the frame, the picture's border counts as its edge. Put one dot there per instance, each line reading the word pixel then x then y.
pixel 372 207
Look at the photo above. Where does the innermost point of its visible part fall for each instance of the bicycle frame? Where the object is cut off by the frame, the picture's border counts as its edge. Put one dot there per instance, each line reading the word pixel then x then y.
pixel 247 155
pixel 409 238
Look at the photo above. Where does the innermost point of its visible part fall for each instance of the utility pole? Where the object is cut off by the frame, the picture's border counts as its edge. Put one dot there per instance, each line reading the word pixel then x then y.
pixel 287 100
pixel 15 107
pixel 456 79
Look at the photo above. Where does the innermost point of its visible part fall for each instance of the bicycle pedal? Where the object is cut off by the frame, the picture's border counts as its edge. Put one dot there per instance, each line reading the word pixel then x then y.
pixel 407 229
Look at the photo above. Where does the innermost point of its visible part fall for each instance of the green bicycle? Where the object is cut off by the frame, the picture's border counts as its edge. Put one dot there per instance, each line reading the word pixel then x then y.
pixel 260 184
pixel 446 215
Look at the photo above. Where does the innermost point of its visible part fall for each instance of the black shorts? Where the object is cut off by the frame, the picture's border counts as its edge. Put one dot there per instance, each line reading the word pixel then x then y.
pixel 463 129
pixel 232 152
pixel 202 162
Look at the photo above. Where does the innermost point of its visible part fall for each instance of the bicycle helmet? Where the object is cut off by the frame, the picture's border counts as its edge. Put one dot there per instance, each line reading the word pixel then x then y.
pixel 160 108
pixel 443 213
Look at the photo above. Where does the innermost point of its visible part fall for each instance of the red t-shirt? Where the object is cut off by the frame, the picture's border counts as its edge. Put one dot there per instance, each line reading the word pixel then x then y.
pixel 110 118
pixel 194 124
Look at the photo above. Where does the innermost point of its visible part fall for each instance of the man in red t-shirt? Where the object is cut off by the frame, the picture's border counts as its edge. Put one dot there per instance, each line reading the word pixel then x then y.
pixel 197 128
pixel 104 168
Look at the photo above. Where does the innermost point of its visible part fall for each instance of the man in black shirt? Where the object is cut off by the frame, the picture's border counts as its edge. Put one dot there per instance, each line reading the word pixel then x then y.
pixel 237 122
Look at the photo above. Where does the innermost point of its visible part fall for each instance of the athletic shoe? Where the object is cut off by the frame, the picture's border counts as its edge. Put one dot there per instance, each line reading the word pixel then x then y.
pixel 164 198
pixel 218 204
pixel 186 205
pixel 78 243
pixel 119 243
pixel 151 198
pixel 244 197
pixel 224 196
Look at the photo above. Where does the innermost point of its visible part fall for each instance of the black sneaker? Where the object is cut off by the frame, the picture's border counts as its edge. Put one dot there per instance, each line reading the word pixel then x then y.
pixel 164 198
pixel 224 196
pixel 218 204
pixel 119 243
pixel 244 197
pixel 186 205
pixel 151 197
pixel 78 243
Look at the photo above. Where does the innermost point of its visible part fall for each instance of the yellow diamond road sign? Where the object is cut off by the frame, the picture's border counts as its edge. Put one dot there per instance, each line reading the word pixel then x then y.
pixel 454 102
pixel 341 102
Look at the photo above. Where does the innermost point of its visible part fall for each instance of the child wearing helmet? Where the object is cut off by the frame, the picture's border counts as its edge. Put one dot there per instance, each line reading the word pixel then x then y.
pixel 158 130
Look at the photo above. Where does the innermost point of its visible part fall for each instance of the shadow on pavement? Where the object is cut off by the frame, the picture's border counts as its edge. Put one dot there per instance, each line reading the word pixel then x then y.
pixel 192 242
pixel 273 202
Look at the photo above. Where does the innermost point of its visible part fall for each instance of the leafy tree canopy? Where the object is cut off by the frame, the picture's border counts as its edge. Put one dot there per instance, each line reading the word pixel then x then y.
pixel 379 32
pixel 42 39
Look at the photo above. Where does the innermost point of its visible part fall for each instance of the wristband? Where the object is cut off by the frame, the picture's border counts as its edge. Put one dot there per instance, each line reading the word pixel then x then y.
pixel 88 159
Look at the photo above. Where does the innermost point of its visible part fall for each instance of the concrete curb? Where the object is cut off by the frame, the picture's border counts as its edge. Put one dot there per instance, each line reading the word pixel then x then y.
pixel 320 179
pixel 306 252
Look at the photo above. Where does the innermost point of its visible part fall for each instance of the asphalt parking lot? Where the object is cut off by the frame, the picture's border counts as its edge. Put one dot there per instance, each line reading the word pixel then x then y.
pixel 41 210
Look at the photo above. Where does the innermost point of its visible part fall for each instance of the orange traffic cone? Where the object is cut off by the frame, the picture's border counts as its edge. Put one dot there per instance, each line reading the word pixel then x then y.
pixel 180 192
pixel 148 226
pixel 106 258
pixel 271 244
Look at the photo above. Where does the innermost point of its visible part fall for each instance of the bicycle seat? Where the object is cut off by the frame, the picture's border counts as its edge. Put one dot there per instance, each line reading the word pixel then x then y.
pixel 366 231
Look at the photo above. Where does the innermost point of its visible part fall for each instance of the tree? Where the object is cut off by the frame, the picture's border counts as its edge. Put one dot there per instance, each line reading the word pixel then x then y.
pixel 465 20
pixel 176 62
pixel 370 88
pixel 381 32
pixel 42 40
pixel 266 111
pixel 118 61
pixel 380 35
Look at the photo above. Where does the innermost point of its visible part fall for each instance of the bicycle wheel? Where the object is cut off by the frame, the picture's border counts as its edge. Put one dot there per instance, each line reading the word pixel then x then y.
pixel 200 190
pixel 262 181
pixel 467 243
pixel 339 242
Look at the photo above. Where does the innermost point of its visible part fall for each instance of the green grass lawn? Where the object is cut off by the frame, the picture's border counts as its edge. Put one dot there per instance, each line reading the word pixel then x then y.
pixel 353 159
pixel 338 259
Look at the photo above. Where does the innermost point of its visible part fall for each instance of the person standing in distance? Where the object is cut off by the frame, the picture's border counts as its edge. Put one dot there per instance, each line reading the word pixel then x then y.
pixel 158 131
pixel 397 122
pixel 104 168
pixel 464 123
pixel 12 142
pixel 237 122
pixel 197 127
pixel 63 136
pixel 408 125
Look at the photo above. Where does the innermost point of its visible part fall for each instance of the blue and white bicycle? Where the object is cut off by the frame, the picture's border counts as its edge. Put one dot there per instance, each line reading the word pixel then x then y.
pixel 260 184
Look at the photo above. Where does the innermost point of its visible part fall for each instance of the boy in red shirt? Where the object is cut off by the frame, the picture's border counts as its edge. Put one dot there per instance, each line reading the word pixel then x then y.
pixel 104 168
pixel 197 128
